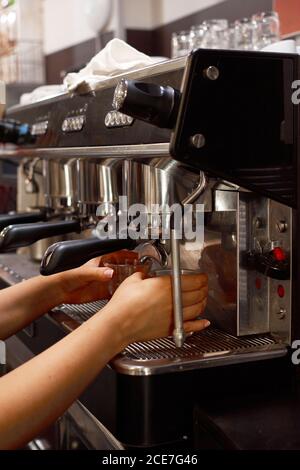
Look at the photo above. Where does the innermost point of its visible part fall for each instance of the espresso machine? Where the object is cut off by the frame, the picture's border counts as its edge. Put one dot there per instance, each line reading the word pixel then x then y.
pixel 217 128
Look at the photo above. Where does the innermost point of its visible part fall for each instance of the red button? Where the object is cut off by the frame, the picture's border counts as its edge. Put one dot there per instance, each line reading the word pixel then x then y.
pixel 280 291
pixel 279 254
pixel 258 283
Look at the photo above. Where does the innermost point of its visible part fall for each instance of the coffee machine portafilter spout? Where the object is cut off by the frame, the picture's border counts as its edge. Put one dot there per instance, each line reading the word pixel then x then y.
pixel 178 332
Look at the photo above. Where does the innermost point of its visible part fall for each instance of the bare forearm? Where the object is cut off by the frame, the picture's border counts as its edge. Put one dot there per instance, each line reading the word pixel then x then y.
pixel 37 393
pixel 23 303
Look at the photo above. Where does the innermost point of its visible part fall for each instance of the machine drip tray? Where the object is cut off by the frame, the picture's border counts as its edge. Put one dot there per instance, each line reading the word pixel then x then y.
pixel 208 348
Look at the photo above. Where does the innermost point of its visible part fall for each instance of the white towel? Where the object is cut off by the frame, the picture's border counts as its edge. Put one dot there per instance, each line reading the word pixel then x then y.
pixel 116 58
pixel 41 93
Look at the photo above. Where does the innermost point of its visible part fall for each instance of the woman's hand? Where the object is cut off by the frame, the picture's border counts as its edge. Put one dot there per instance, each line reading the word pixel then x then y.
pixel 142 309
pixel 85 284
pixel 89 282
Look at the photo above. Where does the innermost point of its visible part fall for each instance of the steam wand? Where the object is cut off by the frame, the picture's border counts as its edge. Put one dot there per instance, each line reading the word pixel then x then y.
pixel 178 332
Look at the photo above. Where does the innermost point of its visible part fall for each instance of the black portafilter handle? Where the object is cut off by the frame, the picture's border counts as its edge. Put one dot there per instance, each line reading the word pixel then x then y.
pixel 18 236
pixel 21 218
pixel 72 254
pixel 154 104
pixel 15 132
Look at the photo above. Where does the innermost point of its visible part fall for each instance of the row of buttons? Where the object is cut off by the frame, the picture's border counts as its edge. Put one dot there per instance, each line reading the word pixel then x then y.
pixel 73 124
pixel 40 128
pixel 76 123
pixel 117 119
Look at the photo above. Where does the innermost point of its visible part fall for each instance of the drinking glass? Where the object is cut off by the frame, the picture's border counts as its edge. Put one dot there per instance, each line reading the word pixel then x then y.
pixel 232 36
pixel 215 34
pixel 267 28
pixel 197 35
pixel 181 44
pixel 125 268
pixel 244 34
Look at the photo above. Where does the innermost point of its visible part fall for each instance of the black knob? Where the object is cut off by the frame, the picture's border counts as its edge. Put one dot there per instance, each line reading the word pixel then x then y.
pixel 267 264
pixel 14 132
pixel 155 104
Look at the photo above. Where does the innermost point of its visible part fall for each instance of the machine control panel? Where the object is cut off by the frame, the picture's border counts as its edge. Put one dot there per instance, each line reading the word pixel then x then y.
pixel 117 119
pixel 73 123
pixel 269 265
pixel 40 128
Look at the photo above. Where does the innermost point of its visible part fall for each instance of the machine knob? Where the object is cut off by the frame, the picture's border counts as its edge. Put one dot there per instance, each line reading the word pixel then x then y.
pixel 14 132
pixel 154 104
pixel 274 263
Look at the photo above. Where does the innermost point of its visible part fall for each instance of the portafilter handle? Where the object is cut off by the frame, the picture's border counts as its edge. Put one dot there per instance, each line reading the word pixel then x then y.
pixel 18 236
pixel 154 104
pixel 21 218
pixel 67 255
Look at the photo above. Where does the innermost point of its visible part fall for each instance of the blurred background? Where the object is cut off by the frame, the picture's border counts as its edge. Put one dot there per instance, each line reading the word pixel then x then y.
pixel 42 40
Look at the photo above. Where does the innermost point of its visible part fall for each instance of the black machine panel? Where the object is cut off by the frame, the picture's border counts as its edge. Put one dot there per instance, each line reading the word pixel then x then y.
pixel 48 117
pixel 237 120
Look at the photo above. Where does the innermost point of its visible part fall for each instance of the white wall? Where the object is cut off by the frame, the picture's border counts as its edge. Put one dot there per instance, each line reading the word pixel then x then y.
pixel 149 14
pixel 171 10
pixel 65 24
pixel 140 14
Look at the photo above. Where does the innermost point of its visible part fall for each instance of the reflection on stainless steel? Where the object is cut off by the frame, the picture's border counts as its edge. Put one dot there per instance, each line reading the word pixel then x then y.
pixel 197 192
pixel 60 184
pixel 243 301
pixel 51 185
pixel 116 151
pixel 158 183
pixel 99 183
pixel 31 186
pixel 155 251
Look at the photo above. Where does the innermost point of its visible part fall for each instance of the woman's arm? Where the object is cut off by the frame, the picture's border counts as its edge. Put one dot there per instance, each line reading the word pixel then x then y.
pixel 25 302
pixel 37 393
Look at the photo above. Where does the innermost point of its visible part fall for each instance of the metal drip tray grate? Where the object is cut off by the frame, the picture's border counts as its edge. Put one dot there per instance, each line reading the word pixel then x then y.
pixel 209 341
pixel 82 312
pixel 208 348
